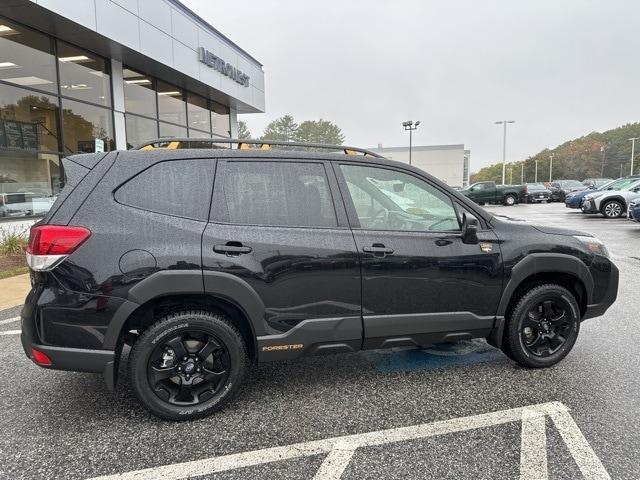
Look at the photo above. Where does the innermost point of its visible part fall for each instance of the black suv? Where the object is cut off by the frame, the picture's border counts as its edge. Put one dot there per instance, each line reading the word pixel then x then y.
pixel 207 260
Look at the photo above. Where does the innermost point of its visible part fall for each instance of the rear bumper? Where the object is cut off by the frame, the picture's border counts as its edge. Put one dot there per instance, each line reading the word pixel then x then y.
pixel 73 359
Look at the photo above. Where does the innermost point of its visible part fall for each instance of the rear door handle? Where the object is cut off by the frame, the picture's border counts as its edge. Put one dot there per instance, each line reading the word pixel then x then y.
pixel 378 249
pixel 232 249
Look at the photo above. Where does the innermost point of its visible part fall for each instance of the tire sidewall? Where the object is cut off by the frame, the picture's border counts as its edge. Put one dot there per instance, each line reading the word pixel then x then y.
pixel 547 292
pixel 509 200
pixel 167 328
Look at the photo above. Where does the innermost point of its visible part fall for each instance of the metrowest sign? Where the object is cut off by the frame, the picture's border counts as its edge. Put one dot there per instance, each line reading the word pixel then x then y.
pixel 215 62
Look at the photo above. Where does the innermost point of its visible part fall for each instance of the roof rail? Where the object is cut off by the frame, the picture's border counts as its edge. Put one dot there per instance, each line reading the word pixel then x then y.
pixel 174 143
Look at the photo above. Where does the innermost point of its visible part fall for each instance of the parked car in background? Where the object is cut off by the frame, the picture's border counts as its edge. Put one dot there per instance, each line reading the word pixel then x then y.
pixel 564 187
pixel 612 203
pixel 596 183
pixel 634 210
pixel 574 200
pixel 489 192
pixel 536 193
pixel 556 194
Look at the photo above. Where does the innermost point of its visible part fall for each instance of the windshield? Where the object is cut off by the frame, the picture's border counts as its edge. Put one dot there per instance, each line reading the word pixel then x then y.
pixel 633 183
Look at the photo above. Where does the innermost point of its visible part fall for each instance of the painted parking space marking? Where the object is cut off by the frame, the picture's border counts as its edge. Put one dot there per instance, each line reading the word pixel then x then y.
pixel 9 320
pixel 339 450
pixel 440 355
pixel 10 332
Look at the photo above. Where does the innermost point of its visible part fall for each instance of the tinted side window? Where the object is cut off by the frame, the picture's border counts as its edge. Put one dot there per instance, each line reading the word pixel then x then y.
pixel 277 193
pixel 398 201
pixel 178 187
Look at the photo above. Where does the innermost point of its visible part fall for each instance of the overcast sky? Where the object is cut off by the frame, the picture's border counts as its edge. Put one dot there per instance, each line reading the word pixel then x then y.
pixel 561 69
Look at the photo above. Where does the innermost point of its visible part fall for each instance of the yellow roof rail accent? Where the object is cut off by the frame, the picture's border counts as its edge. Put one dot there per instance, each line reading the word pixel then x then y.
pixel 350 152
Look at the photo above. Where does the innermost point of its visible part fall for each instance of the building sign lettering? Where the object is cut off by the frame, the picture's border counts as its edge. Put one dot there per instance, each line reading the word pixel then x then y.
pixel 215 62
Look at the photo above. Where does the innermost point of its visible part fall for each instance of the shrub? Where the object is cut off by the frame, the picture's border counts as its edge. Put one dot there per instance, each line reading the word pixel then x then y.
pixel 13 243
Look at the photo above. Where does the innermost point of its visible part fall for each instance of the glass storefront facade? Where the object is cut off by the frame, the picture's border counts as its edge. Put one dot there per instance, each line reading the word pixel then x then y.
pixel 56 99
pixel 154 106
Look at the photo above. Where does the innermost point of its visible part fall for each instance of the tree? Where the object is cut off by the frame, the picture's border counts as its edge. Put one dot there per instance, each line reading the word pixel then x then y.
pixel 282 129
pixel 319 131
pixel 243 131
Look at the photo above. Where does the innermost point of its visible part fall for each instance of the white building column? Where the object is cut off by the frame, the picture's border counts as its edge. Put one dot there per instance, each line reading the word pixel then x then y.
pixel 118 105
pixel 233 117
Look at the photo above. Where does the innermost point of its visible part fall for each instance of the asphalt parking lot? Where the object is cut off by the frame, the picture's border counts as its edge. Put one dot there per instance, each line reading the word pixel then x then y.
pixel 461 411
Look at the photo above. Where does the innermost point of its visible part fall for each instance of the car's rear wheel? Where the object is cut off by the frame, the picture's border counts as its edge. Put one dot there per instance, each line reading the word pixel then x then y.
pixel 612 209
pixel 510 200
pixel 543 326
pixel 187 365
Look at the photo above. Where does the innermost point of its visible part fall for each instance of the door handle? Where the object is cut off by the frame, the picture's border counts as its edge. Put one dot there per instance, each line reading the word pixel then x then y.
pixel 378 250
pixel 232 249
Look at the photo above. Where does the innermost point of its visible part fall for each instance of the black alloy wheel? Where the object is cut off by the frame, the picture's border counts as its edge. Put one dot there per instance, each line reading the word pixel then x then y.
pixel 545 328
pixel 542 327
pixel 189 368
pixel 187 364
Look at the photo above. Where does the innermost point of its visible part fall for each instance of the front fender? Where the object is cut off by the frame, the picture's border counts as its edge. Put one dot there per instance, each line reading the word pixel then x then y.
pixel 536 263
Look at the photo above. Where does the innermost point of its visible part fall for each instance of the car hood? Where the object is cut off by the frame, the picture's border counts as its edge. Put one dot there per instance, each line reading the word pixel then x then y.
pixel 542 228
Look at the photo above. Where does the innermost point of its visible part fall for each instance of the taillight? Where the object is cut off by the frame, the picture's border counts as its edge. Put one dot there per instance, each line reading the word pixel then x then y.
pixel 51 244
pixel 40 358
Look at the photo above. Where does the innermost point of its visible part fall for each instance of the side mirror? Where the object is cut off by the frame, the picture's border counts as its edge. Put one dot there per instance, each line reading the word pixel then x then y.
pixel 470 226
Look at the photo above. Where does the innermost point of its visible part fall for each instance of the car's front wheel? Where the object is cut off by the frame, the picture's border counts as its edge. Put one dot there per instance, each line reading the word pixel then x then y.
pixel 542 327
pixel 187 365
pixel 612 209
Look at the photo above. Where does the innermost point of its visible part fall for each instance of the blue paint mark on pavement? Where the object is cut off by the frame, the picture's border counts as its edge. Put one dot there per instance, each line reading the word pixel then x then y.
pixel 440 355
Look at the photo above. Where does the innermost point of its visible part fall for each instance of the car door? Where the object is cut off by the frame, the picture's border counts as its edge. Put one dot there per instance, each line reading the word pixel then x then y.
pixel 420 282
pixel 275 226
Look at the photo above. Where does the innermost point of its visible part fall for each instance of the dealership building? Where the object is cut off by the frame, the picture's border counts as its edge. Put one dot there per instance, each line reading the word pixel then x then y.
pixel 98 75
pixel 449 163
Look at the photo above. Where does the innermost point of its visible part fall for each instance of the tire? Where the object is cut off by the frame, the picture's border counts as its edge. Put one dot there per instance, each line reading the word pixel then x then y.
pixel 181 396
pixel 525 343
pixel 510 200
pixel 612 209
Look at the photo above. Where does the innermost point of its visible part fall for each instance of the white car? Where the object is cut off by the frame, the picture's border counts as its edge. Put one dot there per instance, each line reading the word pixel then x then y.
pixel 613 203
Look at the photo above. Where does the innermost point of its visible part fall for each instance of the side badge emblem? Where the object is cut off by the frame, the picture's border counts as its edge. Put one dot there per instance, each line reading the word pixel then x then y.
pixel 486 247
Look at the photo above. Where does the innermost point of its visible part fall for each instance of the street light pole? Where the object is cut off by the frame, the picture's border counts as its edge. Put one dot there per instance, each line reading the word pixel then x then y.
pixel 409 125
pixel 522 174
pixel 633 151
pixel 550 167
pixel 602 149
pixel 504 145
pixel 536 180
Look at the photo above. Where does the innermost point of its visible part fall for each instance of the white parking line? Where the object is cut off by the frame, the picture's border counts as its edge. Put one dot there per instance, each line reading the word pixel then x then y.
pixel 11 332
pixel 533 446
pixel 340 449
pixel 9 320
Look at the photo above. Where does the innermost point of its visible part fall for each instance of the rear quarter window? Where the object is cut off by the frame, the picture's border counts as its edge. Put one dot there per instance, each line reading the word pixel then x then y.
pixel 181 188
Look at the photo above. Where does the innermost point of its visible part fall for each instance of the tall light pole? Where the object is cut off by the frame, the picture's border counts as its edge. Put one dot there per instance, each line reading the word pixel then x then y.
pixel 522 174
pixel 550 167
pixel 633 151
pixel 409 125
pixel 536 180
pixel 603 150
pixel 504 145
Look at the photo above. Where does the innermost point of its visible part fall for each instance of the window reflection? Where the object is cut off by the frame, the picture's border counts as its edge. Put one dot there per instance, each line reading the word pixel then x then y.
pixel 199 117
pixel 171 104
pixel 26 57
pixel 28 120
pixel 220 120
pixel 29 183
pixel 140 130
pixel 83 75
pixel 139 93
pixel 168 130
pixel 86 128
